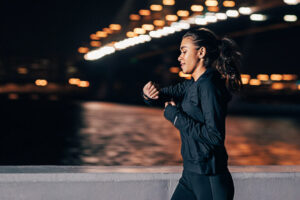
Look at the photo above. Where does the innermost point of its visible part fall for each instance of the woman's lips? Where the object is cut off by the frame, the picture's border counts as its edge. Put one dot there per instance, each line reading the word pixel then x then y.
pixel 182 67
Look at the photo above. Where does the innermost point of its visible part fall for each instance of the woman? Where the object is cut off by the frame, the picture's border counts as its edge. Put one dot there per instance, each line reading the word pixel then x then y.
pixel 199 113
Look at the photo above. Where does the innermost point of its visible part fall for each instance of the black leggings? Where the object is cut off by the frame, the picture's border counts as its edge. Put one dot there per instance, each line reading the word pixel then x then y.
pixel 193 186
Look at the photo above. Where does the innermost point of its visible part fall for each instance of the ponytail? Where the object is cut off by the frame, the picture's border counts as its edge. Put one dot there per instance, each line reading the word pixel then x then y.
pixel 228 64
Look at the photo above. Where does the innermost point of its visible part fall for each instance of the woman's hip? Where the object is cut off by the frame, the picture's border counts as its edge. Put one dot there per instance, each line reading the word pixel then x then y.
pixel 209 187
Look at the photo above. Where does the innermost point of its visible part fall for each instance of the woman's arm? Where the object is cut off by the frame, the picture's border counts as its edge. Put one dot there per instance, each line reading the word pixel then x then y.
pixel 212 130
pixel 176 91
pixel 150 94
pixel 153 102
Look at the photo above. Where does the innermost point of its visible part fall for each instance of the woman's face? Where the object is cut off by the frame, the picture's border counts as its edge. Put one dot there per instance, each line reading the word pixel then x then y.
pixel 188 58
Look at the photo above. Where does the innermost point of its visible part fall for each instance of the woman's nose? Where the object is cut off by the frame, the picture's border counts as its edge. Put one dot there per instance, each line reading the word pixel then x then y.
pixel 179 58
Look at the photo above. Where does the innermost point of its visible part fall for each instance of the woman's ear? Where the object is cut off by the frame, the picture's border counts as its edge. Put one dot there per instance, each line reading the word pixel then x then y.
pixel 201 52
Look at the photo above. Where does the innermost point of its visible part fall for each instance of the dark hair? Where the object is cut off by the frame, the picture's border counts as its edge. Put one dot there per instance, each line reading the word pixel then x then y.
pixel 221 53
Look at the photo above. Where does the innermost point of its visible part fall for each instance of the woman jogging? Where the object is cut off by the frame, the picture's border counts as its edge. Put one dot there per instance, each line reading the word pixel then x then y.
pixel 198 108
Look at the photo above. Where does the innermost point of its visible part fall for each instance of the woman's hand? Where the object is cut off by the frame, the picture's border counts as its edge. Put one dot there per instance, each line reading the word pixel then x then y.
pixel 151 90
pixel 170 102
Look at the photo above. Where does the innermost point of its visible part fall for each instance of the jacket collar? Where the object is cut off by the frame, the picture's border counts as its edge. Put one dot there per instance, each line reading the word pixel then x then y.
pixel 207 72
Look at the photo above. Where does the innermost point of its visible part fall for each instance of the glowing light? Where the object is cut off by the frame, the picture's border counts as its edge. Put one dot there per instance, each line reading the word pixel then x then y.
pixel 245 10
pixel 144 38
pixel 132 41
pixel 171 18
pixel 134 17
pixel 168 30
pixel 95 43
pixel 169 2
pixel 228 3
pixel 148 27
pixel 22 70
pixel 41 82
pixel 178 26
pixel 183 13
pixel 196 8
pixel 162 32
pixel 131 34
pixel 139 31
pixel 99 53
pixel 83 49
pixel 213 8
pixel 276 77
pixel 291 2
pixel 289 77
pixel 255 82
pixel 298 87
pixel 190 20
pixel 13 96
pixel 174 70
pixel 232 13
pixel 94 37
pixel 221 16
pixel 115 27
pixel 156 7
pixel 74 81
pixel 183 75
pixel 107 30
pixel 156 34
pixel 258 17
pixel 210 17
pixel 245 78
pixel 159 22
pixel 200 20
pixel 211 3
pixel 83 84
pixel 263 77
pixel 290 18
pixel 101 34
pixel 145 12
pixel 277 86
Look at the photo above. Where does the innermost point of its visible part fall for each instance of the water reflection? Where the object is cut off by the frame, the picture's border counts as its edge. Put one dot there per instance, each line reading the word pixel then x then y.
pixel 261 141
pixel 94 133
pixel 141 136
pixel 127 135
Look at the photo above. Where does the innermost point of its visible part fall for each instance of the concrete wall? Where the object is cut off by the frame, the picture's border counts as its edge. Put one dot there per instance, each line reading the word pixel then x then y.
pixel 137 183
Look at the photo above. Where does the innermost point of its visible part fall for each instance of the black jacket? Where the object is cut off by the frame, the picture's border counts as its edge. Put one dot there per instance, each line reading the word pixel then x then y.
pixel 199 115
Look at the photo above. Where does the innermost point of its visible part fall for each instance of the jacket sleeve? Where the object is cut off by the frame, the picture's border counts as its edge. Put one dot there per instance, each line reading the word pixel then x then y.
pixel 154 102
pixel 212 130
pixel 176 91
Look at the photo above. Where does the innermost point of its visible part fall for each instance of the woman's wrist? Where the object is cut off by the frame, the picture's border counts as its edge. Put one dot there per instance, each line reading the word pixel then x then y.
pixel 146 97
pixel 170 112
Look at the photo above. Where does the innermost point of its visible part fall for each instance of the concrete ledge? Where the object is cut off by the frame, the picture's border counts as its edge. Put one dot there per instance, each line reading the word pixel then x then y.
pixel 122 183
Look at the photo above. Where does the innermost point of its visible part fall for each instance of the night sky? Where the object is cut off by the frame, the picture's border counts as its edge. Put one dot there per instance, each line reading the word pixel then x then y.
pixel 44 28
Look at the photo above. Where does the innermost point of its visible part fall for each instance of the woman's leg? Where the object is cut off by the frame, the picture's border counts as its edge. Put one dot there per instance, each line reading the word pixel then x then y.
pixel 211 187
pixel 183 191
pixel 222 186
pixel 201 186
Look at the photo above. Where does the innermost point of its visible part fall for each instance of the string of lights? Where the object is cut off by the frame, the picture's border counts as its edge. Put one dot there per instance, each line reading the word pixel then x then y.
pixel 211 11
